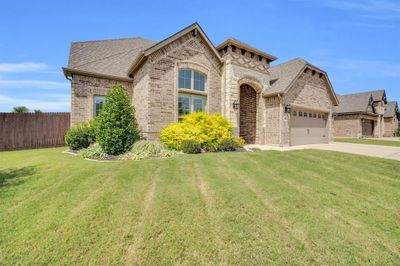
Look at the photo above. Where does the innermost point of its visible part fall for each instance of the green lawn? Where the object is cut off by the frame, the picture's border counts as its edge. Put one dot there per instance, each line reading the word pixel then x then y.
pixel 299 207
pixel 393 143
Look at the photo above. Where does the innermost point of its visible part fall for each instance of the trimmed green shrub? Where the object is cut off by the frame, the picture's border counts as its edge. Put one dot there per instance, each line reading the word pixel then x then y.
pixel 398 132
pixel 207 130
pixel 191 146
pixel 144 149
pixel 81 135
pixel 94 151
pixel 117 128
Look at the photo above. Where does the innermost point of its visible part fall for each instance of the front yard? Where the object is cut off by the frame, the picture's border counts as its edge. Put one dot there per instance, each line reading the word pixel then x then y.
pixel 392 143
pixel 299 207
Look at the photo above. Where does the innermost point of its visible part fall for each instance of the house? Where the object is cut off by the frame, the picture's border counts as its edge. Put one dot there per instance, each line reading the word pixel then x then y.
pixel 360 114
pixel 287 104
pixel 391 119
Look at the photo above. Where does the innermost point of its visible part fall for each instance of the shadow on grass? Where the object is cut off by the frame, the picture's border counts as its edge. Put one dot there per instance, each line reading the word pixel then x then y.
pixel 14 176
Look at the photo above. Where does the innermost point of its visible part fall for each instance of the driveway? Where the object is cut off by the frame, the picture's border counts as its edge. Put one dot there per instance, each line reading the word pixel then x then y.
pixel 361 149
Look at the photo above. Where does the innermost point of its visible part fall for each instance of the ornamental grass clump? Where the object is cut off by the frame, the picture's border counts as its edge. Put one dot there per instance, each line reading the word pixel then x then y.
pixel 94 151
pixel 117 128
pixel 145 149
pixel 209 131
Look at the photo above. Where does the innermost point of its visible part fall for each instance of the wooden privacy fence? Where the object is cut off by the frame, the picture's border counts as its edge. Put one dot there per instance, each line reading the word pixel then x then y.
pixel 32 130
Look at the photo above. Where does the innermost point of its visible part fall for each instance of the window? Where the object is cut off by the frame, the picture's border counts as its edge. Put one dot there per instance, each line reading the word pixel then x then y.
pixel 190 103
pixel 294 113
pixel 314 115
pixel 191 80
pixel 300 113
pixel 319 115
pixel 98 104
pixel 305 114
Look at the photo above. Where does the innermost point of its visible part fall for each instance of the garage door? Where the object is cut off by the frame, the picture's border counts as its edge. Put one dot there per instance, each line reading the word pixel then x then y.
pixel 308 128
pixel 367 128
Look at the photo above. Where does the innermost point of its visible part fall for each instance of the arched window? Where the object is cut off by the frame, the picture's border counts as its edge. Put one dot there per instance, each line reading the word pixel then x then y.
pixel 191 80
pixel 194 101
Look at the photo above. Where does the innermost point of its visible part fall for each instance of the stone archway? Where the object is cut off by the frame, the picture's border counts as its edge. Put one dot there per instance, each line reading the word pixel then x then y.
pixel 248 113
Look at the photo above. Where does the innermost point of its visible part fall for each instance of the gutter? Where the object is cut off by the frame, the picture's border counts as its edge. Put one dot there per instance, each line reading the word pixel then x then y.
pixel 69 71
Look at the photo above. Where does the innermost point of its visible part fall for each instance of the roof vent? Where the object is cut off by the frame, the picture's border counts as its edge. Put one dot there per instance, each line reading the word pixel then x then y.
pixel 195 32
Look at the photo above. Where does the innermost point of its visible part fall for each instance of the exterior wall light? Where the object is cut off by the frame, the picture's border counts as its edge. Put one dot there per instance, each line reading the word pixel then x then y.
pixel 334 114
pixel 288 109
pixel 235 104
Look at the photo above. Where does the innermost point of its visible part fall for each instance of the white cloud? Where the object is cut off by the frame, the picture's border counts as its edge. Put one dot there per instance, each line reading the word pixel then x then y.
pixel 23 67
pixel 370 68
pixel 54 103
pixel 32 84
pixel 365 5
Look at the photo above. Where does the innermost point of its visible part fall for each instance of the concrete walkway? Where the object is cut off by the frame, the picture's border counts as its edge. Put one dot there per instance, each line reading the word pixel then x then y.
pixel 361 149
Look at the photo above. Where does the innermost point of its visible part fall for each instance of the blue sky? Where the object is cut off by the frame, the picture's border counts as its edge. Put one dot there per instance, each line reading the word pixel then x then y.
pixel 356 41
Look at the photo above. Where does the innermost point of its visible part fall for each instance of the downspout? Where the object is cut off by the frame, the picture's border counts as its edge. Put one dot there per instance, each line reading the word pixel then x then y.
pixel 280 120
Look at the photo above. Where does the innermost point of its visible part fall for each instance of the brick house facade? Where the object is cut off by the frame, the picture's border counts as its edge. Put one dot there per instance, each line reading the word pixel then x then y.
pixel 264 104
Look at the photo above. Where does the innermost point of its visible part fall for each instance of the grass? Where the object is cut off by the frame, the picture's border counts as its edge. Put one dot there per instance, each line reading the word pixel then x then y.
pixel 299 207
pixel 392 143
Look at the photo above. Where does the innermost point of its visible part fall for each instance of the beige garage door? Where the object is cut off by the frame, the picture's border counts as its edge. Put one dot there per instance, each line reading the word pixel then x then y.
pixel 308 128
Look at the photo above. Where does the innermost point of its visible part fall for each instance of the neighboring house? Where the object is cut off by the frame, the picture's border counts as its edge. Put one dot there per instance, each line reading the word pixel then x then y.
pixel 391 119
pixel 360 114
pixel 287 104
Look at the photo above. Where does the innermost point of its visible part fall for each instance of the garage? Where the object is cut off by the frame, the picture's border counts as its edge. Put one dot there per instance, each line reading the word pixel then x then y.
pixel 367 127
pixel 308 127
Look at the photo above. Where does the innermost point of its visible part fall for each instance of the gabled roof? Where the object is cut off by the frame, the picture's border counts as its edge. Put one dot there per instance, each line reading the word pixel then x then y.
pixel 105 57
pixel 245 46
pixel 379 95
pixel 284 75
pixel 391 109
pixel 354 103
pixel 195 27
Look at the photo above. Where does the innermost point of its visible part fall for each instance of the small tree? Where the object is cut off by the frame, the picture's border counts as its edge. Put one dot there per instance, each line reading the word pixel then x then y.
pixel 117 127
pixel 20 109
pixel 37 111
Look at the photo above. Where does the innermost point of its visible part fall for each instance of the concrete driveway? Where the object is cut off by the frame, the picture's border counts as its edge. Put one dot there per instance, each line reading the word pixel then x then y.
pixel 361 149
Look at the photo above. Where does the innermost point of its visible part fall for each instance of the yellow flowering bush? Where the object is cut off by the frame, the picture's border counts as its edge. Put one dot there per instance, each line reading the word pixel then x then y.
pixel 207 130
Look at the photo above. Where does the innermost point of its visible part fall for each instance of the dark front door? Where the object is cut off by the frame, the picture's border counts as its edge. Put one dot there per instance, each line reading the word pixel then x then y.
pixel 367 128
pixel 248 113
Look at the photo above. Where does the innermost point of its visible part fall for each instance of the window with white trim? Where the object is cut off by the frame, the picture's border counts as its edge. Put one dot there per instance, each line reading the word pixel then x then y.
pixel 191 80
pixel 188 103
pixel 98 104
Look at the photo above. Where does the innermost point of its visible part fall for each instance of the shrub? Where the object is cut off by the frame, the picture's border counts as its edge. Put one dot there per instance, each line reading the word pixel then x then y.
pixel 117 127
pixel 191 146
pixel 207 130
pixel 81 135
pixel 94 151
pixel 227 145
pixel 144 149
pixel 398 132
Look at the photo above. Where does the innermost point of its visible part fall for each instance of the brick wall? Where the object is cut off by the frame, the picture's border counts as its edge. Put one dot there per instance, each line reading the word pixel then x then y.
pixel 83 90
pixel 248 113
pixel 347 126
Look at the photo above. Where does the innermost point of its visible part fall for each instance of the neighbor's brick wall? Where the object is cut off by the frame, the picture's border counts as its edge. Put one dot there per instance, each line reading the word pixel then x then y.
pixel 391 125
pixel 347 126
pixel 161 81
pixel 83 90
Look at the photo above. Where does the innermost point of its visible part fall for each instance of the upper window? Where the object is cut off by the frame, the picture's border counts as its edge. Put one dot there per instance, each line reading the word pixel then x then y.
pixel 98 104
pixel 191 80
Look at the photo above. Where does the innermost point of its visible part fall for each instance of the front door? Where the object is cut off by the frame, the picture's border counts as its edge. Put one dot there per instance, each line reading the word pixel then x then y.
pixel 248 114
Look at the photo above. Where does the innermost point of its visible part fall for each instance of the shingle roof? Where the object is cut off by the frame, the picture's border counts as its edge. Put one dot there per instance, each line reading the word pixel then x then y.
pixel 391 109
pixel 353 103
pixel 378 95
pixel 284 74
pixel 108 57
